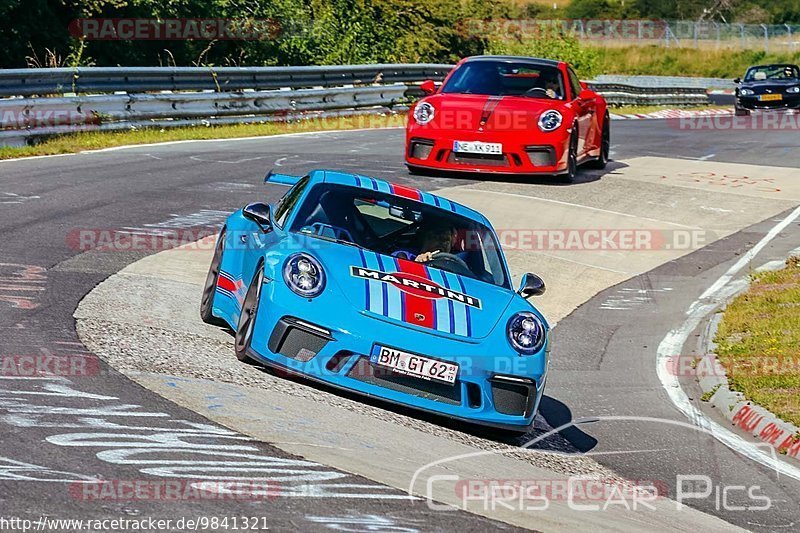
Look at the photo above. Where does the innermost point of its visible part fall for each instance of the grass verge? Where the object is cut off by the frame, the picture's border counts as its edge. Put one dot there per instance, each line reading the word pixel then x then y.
pixel 661 61
pixel 95 140
pixel 759 341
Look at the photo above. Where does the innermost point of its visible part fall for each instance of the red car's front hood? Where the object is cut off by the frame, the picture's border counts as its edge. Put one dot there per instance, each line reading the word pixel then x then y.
pixel 471 112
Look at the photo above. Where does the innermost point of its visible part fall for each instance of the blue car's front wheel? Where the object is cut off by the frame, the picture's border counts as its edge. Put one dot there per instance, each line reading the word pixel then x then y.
pixel 210 287
pixel 247 318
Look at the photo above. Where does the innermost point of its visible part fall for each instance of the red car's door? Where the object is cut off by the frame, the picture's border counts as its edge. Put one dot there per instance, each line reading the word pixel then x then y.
pixel 585 110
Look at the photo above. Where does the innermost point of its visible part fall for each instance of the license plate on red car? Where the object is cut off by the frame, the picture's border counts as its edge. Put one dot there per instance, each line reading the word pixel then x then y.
pixel 411 364
pixel 477 147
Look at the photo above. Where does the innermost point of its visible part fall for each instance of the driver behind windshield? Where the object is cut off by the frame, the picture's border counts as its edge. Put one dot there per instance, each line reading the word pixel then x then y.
pixel 434 237
pixel 552 87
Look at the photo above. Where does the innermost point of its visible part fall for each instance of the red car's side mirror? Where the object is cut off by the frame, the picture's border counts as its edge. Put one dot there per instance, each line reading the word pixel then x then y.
pixel 428 87
pixel 586 94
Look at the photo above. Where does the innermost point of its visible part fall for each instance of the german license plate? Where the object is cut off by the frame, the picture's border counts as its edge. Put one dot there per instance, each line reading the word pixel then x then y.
pixel 770 97
pixel 477 147
pixel 414 365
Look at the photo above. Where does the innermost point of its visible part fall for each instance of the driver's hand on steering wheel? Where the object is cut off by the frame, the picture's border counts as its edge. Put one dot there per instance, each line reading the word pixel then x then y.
pixel 425 257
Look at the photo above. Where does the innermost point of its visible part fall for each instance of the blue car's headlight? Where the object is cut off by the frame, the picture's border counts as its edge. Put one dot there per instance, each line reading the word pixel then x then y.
pixel 793 90
pixel 526 333
pixel 304 275
pixel 747 92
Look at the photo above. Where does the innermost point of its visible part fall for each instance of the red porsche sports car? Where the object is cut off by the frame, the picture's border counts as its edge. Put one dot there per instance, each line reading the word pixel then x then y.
pixel 509 115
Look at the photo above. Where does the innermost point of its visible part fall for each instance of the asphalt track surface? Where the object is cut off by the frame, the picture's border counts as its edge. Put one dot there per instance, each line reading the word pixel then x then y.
pixel 43 277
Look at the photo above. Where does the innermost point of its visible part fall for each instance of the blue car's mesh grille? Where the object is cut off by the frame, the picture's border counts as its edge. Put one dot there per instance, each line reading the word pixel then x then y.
pixel 364 371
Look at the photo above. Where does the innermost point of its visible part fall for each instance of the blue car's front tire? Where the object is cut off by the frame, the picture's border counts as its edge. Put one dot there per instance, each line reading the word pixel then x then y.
pixel 247 318
pixel 210 287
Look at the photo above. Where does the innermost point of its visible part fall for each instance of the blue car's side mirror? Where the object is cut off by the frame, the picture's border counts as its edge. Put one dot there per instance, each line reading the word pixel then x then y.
pixel 259 213
pixel 532 285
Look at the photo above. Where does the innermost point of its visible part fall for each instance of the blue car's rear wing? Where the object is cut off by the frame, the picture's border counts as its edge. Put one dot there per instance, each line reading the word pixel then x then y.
pixel 282 179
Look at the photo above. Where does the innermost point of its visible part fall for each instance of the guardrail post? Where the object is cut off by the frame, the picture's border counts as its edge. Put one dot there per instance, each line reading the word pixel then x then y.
pixel 766 38
pixel 741 30
pixel 791 41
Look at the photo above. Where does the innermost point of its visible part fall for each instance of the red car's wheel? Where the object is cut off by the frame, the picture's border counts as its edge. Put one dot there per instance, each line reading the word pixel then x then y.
pixel 572 156
pixel 605 146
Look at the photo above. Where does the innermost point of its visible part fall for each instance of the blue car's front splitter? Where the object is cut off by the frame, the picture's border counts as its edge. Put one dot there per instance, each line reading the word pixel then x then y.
pixel 524 426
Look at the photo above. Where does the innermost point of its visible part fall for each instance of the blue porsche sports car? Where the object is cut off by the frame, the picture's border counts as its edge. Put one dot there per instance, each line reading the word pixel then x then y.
pixel 383 290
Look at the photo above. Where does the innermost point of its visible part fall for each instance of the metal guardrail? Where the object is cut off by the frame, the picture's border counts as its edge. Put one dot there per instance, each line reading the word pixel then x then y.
pixel 45 102
pixel 29 82
pixel 617 94
pixel 666 81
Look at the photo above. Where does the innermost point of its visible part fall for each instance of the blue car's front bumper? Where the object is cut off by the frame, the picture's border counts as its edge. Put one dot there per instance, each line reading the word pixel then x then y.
pixel 495 386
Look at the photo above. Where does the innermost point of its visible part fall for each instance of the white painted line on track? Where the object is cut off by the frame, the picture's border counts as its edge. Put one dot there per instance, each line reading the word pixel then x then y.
pixel 672 345
pixel 599 209
pixel 706 157
pixel 747 257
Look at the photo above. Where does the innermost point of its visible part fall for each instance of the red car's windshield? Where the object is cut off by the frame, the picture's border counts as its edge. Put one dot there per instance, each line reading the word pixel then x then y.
pixel 503 78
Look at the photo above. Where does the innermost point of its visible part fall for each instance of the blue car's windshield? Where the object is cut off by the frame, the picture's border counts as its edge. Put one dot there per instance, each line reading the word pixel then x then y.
pixel 402 228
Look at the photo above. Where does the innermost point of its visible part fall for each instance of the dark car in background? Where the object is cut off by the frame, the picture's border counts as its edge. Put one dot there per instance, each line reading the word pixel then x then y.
pixel 768 87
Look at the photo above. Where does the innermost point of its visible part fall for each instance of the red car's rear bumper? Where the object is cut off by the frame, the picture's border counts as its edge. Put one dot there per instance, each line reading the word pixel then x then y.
pixel 522 154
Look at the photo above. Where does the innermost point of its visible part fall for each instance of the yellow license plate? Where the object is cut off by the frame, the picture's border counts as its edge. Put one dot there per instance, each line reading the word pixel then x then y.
pixel 770 97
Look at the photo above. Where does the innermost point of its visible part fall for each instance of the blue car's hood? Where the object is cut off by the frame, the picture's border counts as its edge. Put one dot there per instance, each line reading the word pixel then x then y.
pixel 410 294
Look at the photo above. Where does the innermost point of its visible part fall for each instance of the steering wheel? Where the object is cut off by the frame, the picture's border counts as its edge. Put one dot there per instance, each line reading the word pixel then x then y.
pixel 534 89
pixel 451 263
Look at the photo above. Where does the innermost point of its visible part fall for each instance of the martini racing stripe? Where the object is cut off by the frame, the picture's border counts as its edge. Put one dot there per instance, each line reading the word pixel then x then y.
pixel 375 302
pixel 428 198
pixel 466 307
pixel 418 310
pixel 393 295
pixel 406 192
pixel 226 284
pixel 367 304
pixel 449 324
pixel 443 306
pixel 386 297
pixel 460 311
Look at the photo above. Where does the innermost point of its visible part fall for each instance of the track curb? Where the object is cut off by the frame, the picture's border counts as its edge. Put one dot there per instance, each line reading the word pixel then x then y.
pixel 767 428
